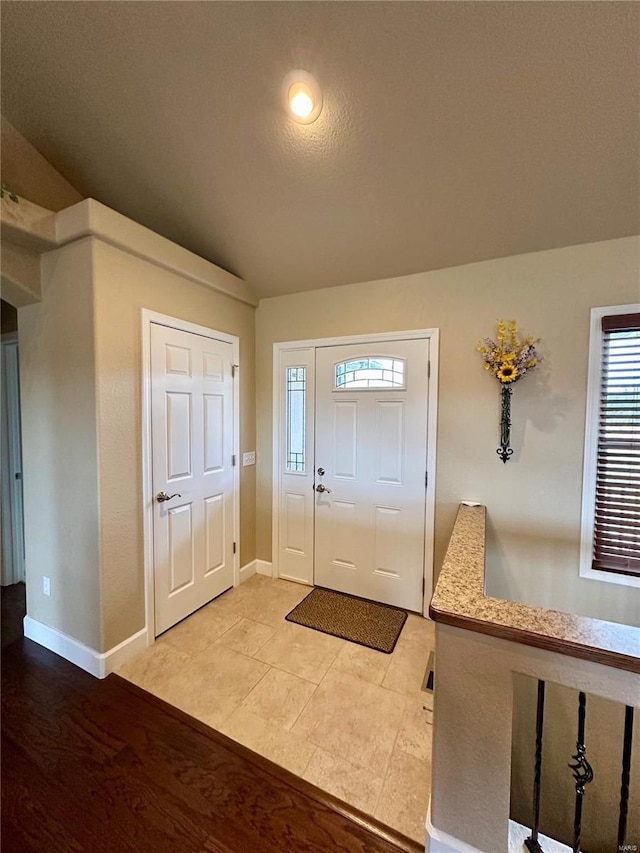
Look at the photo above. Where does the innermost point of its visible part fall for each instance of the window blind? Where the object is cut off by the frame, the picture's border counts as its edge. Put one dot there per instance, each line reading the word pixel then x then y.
pixel 616 545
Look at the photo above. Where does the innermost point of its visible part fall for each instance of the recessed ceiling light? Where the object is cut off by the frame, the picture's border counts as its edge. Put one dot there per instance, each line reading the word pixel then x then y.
pixel 300 100
pixel 302 97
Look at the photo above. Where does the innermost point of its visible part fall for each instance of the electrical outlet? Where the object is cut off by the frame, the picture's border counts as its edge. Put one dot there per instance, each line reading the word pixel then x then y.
pixel 46 585
pixel 249 458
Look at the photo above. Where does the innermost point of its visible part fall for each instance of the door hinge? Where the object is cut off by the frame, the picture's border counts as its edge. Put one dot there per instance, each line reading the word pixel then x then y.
pixel 233 461
pixel 424 586
pixel 234 368
pixel 426 479
pixel 428 370
pixel 234 547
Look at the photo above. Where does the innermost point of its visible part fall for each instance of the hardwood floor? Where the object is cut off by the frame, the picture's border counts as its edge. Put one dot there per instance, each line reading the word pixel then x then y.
pixel 92 765
pixel 14 608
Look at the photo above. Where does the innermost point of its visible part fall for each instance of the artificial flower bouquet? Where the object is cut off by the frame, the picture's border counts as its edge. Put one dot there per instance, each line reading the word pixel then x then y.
pixel 511 356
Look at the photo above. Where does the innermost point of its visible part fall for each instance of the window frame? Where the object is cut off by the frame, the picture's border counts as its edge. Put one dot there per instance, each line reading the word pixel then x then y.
pixel 596 338
pixel 353 388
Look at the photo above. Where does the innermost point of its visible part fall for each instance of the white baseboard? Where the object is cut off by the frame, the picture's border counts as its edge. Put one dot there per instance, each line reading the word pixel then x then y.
pixel 441 842
pixel 98 664
pixel 123 652
pixel 264 568
pixel 247 571
pixel 256 567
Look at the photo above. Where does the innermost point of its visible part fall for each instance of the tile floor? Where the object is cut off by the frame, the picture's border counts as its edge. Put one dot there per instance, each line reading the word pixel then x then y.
pixel 351 720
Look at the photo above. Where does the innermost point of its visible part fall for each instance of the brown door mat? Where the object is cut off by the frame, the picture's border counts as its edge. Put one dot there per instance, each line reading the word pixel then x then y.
pixel 368 623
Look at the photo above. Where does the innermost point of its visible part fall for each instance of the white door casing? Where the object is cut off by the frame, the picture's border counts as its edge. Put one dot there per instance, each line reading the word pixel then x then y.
pixel 192 444
pixel 406 505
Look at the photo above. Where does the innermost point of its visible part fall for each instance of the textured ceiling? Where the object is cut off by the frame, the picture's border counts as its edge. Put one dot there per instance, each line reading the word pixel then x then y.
pixel 451 132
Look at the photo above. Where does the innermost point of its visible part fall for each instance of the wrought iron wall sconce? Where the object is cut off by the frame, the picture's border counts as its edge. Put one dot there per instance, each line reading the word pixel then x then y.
pixel 505 451
pixel 508 358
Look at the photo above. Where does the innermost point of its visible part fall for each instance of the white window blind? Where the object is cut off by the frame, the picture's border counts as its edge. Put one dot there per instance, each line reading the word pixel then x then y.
pixel 616 542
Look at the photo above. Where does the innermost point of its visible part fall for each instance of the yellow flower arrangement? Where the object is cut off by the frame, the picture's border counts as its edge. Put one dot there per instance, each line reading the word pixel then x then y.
pixel 510 356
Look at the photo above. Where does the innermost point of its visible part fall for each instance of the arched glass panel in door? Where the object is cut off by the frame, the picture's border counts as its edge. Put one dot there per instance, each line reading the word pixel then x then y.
pixel 370 372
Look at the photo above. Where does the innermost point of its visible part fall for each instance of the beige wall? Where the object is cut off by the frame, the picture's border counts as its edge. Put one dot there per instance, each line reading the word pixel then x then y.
pixel 57 385
pixel 28 174
pixel 81 368
pixel 79 389
pixel 124 284
pixel 534 500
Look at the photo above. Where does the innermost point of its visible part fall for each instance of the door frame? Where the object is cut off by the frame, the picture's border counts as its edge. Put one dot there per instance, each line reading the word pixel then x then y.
pixel 150 318
pixel 433 336
pixel 12 514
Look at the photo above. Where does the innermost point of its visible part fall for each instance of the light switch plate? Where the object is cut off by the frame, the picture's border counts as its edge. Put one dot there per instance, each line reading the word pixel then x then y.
pixel 249 458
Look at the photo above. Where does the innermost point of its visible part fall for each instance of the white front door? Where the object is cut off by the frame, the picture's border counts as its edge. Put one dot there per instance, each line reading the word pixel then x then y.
pixel 370 463
pixel 192 446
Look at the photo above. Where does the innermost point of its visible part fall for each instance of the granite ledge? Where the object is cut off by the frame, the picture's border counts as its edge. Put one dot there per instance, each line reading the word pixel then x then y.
pixel 459 599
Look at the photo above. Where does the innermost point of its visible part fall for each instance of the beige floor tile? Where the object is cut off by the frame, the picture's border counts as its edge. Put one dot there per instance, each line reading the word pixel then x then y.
pixel 279 697
pixel 352 719
pixel 362 662
pixel 267 601
pixel 275 603
pixel 300 590
pixel 268 740
pixel 353 785
pixel 362 734
pixel 194 634
pixel 213 684
pixel 417 629
pixel 252 587
pixel 301 651
pixel 415 734
pixel 246 637
pixel 407 671
pixel 404 797
pixel 151 669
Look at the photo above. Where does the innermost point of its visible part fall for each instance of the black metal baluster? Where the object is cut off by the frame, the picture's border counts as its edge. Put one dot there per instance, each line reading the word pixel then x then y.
pixel 532 842
pixel 582 772
pixel 626 770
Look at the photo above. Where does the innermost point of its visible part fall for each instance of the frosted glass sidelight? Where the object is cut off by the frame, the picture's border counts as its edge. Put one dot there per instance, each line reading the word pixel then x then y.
pixel 296 397
pixel 371 372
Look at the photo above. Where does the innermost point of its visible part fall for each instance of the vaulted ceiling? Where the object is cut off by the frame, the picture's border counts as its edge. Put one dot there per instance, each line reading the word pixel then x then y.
pixel 451 132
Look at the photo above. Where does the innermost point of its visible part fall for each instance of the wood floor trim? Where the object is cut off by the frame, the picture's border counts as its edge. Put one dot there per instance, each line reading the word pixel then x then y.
pixel 323 798
pixel 93 766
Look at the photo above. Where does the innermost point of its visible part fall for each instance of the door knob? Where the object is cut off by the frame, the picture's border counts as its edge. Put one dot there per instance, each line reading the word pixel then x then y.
pixel 321 488
pixel 163 496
